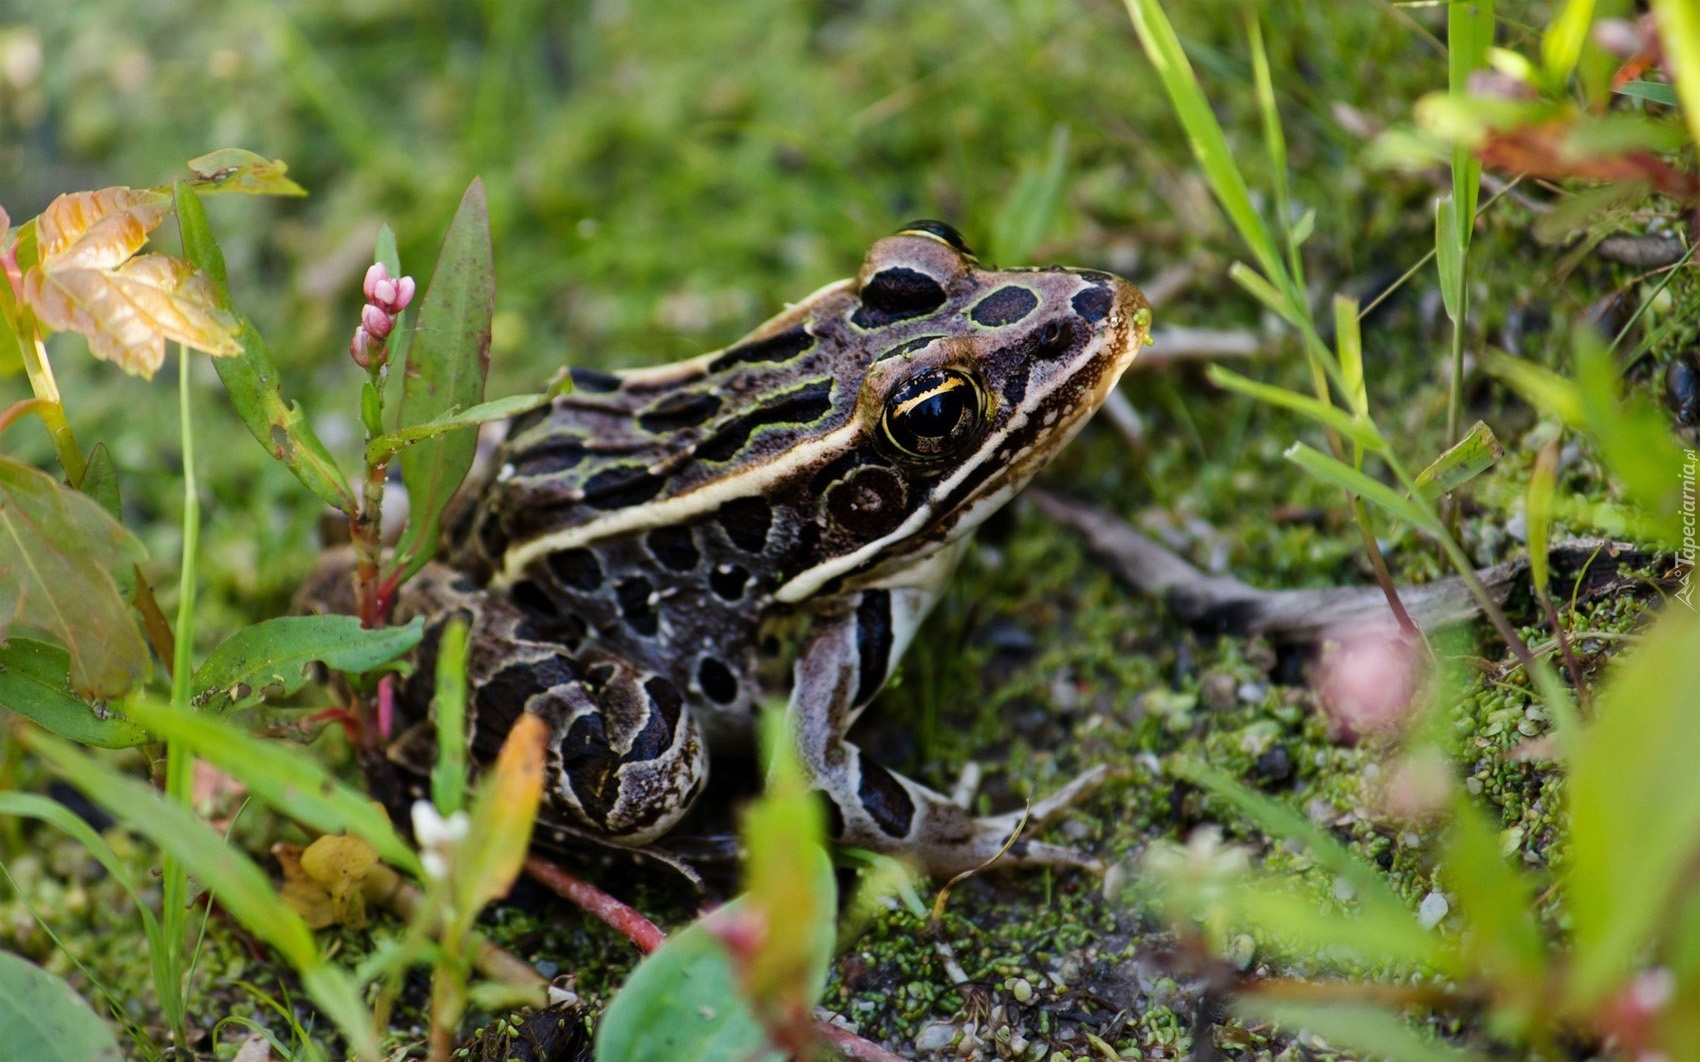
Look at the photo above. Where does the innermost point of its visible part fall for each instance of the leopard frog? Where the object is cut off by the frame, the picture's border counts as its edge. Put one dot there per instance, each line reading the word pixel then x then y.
pixel 659 551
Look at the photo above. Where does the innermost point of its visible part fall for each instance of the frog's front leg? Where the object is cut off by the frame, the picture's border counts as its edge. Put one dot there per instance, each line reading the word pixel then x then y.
pixel 844 661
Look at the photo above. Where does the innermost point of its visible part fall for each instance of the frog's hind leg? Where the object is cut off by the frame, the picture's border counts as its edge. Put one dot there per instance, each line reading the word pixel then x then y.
pixel 844 661
pixel 626 758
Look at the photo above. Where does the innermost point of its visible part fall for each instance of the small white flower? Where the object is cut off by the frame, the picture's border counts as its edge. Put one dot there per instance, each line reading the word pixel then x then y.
pixel 437 837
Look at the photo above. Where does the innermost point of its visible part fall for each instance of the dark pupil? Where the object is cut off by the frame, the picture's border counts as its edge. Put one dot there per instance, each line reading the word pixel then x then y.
pixel 934 417
pixel 1052 338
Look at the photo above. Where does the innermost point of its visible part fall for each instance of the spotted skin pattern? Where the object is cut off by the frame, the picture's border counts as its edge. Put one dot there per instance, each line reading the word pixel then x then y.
pixel 659 550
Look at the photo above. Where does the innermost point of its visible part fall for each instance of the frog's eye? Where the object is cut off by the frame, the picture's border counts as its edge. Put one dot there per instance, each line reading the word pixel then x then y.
pixel 934 413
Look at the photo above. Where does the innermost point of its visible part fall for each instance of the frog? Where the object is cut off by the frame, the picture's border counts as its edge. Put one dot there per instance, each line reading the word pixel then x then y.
pixel 658 552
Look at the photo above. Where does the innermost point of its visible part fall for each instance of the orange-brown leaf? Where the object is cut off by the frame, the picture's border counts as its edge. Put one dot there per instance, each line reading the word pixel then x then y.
pixel 503 813
pixel 129 312
pixel 98 230
pixel 1540 151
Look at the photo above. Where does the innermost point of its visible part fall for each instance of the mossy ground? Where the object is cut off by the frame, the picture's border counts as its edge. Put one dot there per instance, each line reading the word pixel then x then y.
pixel 662 176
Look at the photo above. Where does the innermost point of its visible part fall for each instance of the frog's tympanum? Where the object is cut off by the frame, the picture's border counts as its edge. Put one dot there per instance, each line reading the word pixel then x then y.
pixel 659 551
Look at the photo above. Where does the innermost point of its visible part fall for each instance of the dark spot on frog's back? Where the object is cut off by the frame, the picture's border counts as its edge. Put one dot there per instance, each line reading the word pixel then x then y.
pixel 675 412
pixel 746 522
pixel 1004 306
pixel 897 294
pixel 673 547
pixel 728 582
pixel 717 681
pixel 801 405
pixel 577 568
pixel 1094 303
pixel 503 696
pixel 775 348
pixel 622 486
pixel 594 380
pixel 549 456
pixel 635 606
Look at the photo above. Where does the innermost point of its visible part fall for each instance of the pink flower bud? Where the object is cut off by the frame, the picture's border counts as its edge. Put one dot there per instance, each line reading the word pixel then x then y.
pixel 403 293
pixel 374 274
pixel 360 347
pixel 376 321
pixel 383 293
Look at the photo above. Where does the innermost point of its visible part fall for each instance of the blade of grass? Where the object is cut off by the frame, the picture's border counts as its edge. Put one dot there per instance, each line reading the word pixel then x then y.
pixel 1203 132
pixel 280 775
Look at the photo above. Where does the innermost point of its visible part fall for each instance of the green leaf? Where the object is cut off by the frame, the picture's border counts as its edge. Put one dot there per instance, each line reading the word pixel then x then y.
pixel 43 1020
pixel 1679 32
pixel 1361 432
pixel 241 886
pixel 1634 807
pixel 1379 494
pixel 1633 435
pixel 445 372
pixel 280 774
pixel 384 251
pixel 1497 902
pixel 1449 256
pixel 1561 44
pixel 386 446
pixel 1259 288
pixel 1651 91
pixel 236 170
pixel 100 482
pixel 1203 132
pixel 789 883
pixel 58 552
pixel 1463 461
pixel 274 658
pixel 251 378
pixel 1026 213
pixel 1469 33
pixel 682 1001
pixel 1350 344
pixel 1542 388
pixel 35 682
pixel 448 775
pixel 1356 1027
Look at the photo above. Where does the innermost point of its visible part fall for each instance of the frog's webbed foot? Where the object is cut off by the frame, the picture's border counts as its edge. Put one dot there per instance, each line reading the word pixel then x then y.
pixel 872 807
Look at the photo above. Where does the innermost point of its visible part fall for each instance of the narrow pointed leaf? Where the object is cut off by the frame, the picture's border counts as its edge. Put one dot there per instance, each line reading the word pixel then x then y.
pixel 1359 431
pixel 1375 492
pixel 446 365
pixel 388 445
pixel 252 378
pixel 279 774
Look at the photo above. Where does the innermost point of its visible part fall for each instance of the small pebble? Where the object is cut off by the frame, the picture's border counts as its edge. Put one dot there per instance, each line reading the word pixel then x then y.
pixel 1432 910
pixel 935 1037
